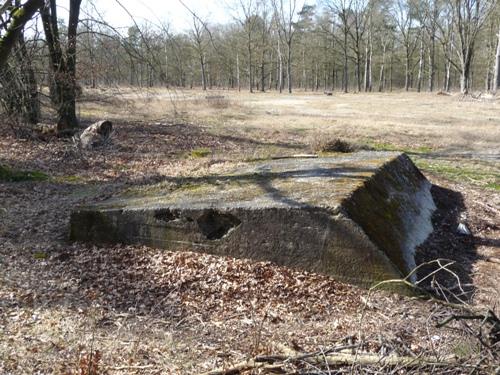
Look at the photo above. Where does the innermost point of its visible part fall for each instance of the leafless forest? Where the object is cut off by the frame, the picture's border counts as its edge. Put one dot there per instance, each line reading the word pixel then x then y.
pixel 345 45
pixel 280 78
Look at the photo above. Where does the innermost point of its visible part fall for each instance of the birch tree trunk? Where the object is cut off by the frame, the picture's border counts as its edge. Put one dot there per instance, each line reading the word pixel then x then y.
pixel 345 76
pixel 420 64
pixel 238 72
pixel 407 71
pixel 381 85
pixel 391 67
pixel 367 62
pixel 496 79
pixel 280 68
pixel 370 76
pixel 432 45
pixel 447 65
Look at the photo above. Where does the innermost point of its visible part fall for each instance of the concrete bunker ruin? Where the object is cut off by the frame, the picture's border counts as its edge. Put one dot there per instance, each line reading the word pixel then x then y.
pixel 356 217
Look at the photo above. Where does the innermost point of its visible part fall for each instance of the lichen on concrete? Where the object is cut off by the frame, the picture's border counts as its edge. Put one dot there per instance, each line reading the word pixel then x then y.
pixel 356 217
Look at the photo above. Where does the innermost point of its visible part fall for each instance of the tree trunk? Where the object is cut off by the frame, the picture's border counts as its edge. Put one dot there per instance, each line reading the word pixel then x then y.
pixel 358 68
pixel 250 72
pixel 381 81
pixel 270 80
pixel 465 74
pixel 289 66
pixel 238 72
pixel 280 67
pixel 63 66
pixel 304 76
pixel 432 62
pixel 203 72
pixel 496 79
pixel 263 72
pixel 316 78
pixel 447 75
pixel 407 71
pixel 391 67
pixel 345 76
pixel 367 62
pixel 67 111
pixel 420 65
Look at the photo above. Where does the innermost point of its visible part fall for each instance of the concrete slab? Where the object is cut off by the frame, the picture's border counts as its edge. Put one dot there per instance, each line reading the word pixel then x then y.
pixel 357 217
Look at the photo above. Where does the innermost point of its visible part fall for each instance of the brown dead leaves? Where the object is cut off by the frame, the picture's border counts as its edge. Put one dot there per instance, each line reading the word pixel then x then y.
pixel 176 284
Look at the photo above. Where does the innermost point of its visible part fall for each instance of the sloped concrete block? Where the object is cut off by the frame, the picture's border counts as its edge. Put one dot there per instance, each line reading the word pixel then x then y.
pixel 357 217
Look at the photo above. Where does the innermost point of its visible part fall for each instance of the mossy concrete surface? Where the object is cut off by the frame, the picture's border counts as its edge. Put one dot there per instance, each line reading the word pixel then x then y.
pixel 357 217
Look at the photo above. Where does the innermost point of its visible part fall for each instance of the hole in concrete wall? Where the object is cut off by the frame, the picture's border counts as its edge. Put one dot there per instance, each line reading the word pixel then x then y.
pixel 164 214
pixel 215 225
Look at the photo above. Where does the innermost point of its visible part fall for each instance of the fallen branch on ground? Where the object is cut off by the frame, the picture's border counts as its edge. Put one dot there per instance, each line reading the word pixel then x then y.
pixel 336 359
pixel 487 319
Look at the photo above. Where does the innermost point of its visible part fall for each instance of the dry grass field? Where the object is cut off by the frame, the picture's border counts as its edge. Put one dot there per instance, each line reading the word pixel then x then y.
pixel 457 137
pixel 69 308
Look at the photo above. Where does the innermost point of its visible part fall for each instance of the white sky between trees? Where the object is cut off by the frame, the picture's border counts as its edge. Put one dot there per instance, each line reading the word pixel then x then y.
pixel 171 12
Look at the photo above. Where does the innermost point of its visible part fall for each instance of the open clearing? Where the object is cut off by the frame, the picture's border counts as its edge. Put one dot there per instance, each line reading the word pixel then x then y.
pixel 151 311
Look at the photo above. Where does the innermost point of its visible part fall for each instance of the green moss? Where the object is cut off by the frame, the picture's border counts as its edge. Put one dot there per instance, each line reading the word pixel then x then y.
pixel 380 146
pixel 68 179
pixel 400 286
pixel 200 152
pixel 465 349
pixel 18 13
pixel 11 175
pixel 40 255
pixel 460 171
pixel 493 185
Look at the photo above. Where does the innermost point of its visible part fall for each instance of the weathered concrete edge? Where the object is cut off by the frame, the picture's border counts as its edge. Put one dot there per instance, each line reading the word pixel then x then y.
pixel 405 206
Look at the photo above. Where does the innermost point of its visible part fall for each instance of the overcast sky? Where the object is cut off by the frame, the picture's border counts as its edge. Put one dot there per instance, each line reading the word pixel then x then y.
pixel 156 11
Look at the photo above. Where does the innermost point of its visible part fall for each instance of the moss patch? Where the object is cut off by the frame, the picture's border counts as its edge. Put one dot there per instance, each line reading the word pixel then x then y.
pixel 11 175
pixel 478 174
pixel 493 186
pixel 200 152
pixel 380 146
pixel 70 179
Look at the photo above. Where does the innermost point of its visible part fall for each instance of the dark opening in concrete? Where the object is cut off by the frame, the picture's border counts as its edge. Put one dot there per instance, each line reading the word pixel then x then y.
pixel 215 225
pixel 166 215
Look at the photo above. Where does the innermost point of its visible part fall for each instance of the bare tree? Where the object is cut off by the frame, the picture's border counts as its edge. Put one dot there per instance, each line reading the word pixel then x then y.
pixel 285 11
pixel 431 19
pixel 369 56
pixel 358 15
pixel 381 81
pixel 468 18
pixel 265 28
pixel 247 18
pixel 63 63
pixel 341 10
pixel 197 34
pixel 403 14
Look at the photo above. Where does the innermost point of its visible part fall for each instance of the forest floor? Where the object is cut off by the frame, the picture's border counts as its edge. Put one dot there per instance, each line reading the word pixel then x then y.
pixel 67 308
